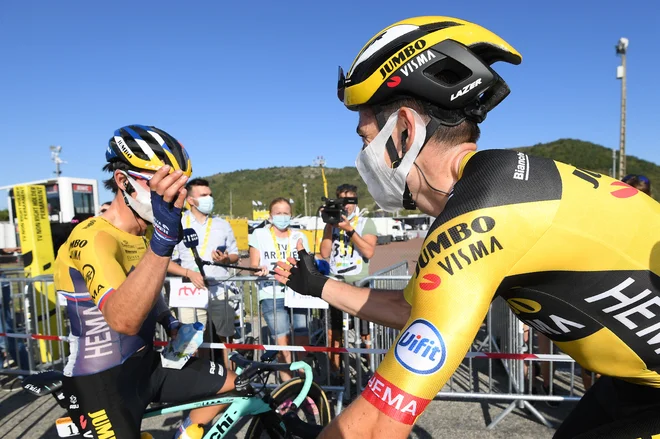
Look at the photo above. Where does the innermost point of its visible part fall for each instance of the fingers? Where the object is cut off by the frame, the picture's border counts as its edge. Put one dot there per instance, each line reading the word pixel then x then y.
pixel 159 175
pixel 299 245
pixel 181 198
pixel 281 279
pixel 178 182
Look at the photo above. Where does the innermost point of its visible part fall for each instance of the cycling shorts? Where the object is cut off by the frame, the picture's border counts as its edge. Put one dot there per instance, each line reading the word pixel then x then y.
pixel 614 409
pixel 111 403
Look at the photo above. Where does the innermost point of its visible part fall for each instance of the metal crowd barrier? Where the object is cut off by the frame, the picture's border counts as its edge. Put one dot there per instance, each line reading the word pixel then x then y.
pixel 493 377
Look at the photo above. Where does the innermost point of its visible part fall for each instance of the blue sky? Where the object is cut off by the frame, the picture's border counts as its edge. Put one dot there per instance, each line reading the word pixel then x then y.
pixel 248 85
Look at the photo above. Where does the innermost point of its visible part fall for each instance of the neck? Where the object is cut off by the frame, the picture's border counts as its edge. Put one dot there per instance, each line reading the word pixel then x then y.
pixel 281 233
pixel 199 216
pixel 122 217
pixel 442 172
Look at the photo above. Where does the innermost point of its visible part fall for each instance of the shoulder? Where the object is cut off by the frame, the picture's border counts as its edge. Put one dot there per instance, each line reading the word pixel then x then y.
pixel 92 229
pixel 496 177
pixel 94 236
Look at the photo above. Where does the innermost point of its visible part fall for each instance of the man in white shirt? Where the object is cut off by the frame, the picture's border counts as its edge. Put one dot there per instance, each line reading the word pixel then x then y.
pixel 216 243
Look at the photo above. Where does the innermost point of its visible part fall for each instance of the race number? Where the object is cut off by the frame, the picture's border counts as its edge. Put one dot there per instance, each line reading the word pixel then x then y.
pixel 66 428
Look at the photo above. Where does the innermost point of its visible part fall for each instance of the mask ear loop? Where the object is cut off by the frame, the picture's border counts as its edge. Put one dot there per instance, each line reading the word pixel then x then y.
pixel 381 120
pixel 431 128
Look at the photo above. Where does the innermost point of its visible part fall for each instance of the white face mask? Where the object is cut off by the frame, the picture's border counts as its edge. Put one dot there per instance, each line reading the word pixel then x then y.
pixel 142 203
pixel 356 212
pixel 205 204
pixel 385 184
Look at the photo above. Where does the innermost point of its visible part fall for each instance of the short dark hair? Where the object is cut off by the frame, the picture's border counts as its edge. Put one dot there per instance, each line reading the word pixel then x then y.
pixel 347 188
pixel 465 132
pixel 276 201
pixel 639 182
pixel 117 164
pixel 110 184
pixel 196 182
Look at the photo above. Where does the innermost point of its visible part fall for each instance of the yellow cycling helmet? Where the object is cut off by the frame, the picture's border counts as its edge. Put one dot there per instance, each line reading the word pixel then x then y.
pixel 442 61
pixel 147 148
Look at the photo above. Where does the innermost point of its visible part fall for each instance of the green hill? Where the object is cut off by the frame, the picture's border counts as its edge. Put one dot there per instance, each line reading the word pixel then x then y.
pixel 267 183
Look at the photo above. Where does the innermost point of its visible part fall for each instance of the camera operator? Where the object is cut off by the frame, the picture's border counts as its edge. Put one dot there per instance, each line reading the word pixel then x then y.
pixel 349 241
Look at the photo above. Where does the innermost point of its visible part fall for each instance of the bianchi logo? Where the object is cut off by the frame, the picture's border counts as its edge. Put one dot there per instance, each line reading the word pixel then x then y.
pixel 421 349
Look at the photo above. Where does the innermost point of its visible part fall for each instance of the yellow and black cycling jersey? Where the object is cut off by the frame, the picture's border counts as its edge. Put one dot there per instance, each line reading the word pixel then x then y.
pixel 575 254
pixel 90 266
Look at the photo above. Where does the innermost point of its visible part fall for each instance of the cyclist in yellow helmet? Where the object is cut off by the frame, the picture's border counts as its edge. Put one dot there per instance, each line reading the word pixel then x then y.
pixel 552 240
pixel 112 277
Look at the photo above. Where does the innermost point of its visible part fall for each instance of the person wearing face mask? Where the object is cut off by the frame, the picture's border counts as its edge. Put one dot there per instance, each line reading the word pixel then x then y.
pixel 348 246
pixel 268 245
pixel 111 275
pixel 216 243
pixel 552 240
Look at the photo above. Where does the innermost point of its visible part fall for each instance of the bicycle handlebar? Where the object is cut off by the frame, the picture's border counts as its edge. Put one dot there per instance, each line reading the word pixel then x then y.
pixel 252 368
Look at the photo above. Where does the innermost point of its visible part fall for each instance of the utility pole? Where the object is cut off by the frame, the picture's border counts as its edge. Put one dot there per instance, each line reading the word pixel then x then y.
pixel 621 49
pixel 304 185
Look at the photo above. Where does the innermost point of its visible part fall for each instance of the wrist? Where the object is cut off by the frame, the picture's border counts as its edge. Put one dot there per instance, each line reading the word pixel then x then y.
pixel 350 233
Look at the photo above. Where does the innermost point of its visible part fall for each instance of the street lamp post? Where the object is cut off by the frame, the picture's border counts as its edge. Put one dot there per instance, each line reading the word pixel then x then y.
pixel 621 49
pixel 304 185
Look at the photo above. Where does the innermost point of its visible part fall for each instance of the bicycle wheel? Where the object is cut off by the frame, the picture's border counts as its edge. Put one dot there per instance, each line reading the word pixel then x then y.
pixel 314 409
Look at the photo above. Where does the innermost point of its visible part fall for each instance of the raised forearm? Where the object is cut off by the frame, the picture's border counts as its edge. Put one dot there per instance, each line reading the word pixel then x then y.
pixel 385 307
pixel 365 248
pixel 126 309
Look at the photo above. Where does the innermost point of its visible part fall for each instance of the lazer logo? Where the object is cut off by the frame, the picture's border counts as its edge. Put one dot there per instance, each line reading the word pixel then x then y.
pixel 417 62
pixel 401 57
pixel 522 168
pixel 421 349
pixel 465 89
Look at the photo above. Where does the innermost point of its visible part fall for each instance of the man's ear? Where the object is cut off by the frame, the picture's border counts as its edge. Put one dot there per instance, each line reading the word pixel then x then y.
pixel 121 180
pixel 406 126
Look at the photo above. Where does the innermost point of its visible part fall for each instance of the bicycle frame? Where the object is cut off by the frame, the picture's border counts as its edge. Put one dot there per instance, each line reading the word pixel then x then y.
pixel 239 405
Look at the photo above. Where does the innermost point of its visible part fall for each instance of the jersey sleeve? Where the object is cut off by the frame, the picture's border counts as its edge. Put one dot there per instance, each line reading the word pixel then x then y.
pixel 369 228
pixel 98 262
pixel 468 252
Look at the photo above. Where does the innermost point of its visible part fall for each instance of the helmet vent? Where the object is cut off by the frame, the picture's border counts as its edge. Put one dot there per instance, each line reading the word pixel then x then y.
pixel 433 27
pixel 448 72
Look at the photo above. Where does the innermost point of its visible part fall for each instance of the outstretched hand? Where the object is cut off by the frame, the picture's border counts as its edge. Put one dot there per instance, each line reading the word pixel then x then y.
pixel 301 276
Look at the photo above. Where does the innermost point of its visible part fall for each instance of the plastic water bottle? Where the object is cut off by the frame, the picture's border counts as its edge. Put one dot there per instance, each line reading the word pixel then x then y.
pixel 181 347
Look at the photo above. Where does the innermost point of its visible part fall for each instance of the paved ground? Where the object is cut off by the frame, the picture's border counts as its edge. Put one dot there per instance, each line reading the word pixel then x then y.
pixel 24 416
